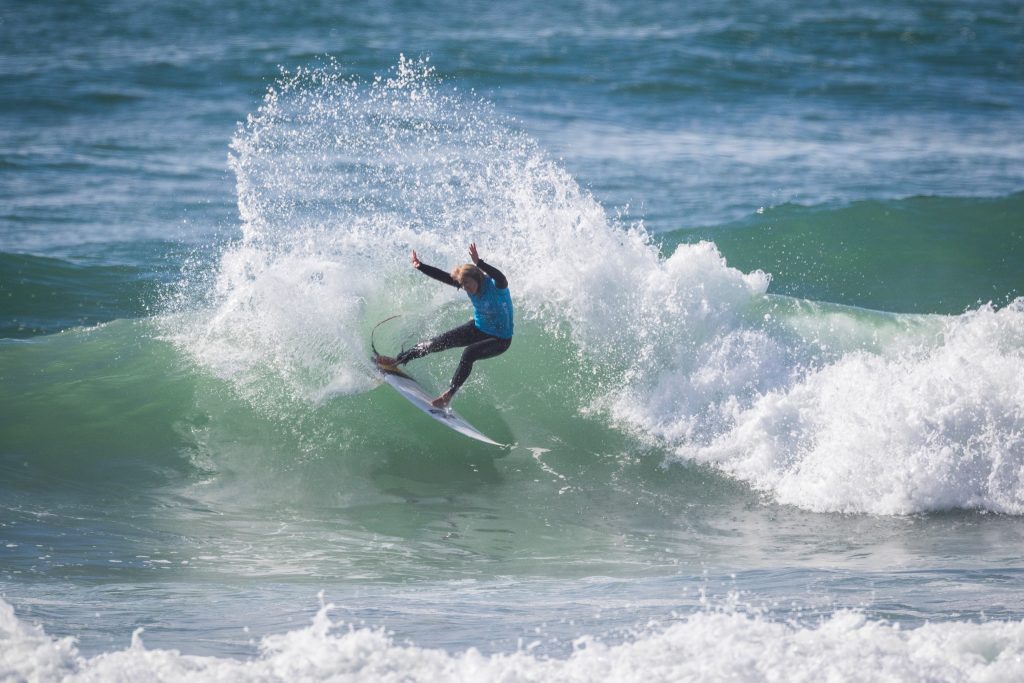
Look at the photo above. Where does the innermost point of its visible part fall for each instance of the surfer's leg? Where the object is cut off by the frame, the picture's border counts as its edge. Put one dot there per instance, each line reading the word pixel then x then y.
pixel 487 348
pixel 463 335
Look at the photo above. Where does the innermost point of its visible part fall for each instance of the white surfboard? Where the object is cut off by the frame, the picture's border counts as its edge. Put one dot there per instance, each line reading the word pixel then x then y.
pixel 414 393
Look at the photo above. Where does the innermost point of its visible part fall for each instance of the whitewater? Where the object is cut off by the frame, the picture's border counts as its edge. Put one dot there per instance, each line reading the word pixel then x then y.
pixel 844 647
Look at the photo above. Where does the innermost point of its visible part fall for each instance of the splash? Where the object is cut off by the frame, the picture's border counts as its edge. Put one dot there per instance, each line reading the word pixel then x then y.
pixel 339 178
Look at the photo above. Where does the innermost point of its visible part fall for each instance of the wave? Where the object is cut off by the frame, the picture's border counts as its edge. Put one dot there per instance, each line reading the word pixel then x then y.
pixel 104 404
pixel 844 646
pixel 822 406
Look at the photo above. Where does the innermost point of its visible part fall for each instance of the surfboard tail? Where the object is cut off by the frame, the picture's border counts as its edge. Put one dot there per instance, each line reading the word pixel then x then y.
pixel 389 368
pixel 385 364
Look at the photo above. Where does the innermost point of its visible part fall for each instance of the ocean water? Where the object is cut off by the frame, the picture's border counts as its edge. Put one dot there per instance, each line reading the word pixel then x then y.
pixel 765 403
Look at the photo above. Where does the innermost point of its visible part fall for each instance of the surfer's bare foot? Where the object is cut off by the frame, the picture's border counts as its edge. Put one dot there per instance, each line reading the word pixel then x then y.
pixel 443 400
pixel 386 360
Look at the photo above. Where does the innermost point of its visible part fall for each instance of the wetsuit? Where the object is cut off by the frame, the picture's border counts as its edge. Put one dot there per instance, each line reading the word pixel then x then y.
pixel 489 334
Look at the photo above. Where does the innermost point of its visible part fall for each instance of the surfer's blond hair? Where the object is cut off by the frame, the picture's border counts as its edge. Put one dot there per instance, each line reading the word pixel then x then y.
pixel 468 270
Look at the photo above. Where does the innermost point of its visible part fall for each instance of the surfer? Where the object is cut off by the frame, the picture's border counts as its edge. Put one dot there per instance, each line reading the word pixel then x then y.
pixel 487 335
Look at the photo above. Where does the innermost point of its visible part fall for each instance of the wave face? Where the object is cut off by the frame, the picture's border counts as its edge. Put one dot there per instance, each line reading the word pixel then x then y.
pixel 820 406
pixel 845 646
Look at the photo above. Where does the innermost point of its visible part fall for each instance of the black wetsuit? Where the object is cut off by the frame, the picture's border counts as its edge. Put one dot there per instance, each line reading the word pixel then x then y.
pixel 479 345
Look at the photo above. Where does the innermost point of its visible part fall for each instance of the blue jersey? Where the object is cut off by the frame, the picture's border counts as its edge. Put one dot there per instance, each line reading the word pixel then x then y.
pixel 492 309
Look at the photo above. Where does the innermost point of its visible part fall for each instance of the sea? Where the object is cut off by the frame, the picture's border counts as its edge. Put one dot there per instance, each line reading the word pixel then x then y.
pixel 764 407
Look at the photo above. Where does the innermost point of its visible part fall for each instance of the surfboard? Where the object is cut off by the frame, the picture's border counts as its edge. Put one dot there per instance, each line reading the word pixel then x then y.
pixel 411 390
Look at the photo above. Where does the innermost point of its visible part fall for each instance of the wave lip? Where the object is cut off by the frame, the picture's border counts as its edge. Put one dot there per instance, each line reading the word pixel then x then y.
pixel 705 646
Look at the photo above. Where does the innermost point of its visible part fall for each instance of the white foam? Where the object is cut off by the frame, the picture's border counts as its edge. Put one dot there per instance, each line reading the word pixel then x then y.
pixel 707 646
pixel 931 422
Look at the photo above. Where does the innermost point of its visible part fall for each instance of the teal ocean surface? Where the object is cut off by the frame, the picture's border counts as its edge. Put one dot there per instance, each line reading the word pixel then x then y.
pixel 765 400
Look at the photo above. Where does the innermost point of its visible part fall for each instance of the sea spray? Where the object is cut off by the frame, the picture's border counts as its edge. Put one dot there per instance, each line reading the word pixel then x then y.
pixel 339 179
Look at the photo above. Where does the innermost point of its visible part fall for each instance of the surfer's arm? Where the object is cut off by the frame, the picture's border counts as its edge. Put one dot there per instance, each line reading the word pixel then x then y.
pixel 499 278
pixel 437 274
pixel 433 272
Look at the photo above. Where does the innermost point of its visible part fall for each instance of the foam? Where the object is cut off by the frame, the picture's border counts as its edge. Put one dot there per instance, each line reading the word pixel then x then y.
pixel 707 646
pixel 930 423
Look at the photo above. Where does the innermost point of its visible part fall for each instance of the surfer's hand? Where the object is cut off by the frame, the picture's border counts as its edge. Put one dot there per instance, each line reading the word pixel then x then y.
pixel 472 253
pixel 415 260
